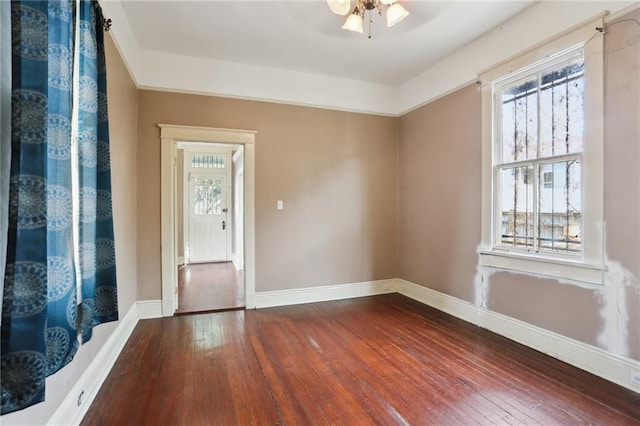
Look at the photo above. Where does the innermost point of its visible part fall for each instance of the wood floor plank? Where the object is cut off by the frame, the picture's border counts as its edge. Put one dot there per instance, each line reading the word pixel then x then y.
pixel 531 371
pixel 368 358
pixel 384 360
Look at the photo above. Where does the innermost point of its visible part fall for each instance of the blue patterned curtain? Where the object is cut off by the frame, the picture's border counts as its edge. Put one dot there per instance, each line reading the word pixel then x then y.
pixel 39 307
pixel 39 301
pixel 97 249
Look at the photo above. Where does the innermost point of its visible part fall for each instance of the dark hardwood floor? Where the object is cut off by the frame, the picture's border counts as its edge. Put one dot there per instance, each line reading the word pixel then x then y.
pixel 378 360
pixel 205 287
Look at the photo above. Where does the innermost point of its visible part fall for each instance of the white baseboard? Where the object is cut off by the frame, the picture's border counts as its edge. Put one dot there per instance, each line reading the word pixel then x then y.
pixel 68 412
pixel 612 367
pixel 149 309
pixel 180 260
pixel 267 299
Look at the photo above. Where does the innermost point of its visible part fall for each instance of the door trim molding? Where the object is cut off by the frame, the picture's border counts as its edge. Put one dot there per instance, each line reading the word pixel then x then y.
pixel 170 135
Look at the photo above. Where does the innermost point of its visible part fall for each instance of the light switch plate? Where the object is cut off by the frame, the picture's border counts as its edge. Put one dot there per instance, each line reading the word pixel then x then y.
pixel 279 205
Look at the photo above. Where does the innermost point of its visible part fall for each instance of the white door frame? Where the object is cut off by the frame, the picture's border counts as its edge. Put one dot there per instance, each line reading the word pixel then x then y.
pixel 238 208
pixel 170 135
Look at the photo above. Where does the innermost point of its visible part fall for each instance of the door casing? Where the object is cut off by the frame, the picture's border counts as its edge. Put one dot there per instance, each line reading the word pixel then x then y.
pixel 170 135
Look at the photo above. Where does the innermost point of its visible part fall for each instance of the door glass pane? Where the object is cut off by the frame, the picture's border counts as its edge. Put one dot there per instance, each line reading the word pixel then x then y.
pixel 516 210
pixel 560 207
pixel 207 196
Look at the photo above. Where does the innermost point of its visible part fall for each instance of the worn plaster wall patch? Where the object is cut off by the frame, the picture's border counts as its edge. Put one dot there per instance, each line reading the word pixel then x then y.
pixel 614 336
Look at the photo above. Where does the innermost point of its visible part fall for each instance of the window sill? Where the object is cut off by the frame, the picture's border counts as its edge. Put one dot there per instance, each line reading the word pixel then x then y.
pixel 544 266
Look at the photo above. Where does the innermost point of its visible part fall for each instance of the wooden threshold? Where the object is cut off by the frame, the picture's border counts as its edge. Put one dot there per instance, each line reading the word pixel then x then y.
pixel 211 311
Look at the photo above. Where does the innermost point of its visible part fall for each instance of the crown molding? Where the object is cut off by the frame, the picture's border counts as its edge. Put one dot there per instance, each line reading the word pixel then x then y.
pixel 174 73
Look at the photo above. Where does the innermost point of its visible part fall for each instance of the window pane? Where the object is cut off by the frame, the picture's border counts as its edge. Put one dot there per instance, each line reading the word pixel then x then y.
pixel 207 196
pixel 516 210
pixel 562 110
pixel 560 207
pixel 199 161
pixel 520 121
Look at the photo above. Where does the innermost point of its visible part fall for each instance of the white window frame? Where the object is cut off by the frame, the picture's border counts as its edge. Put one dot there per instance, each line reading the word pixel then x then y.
pixel 589 265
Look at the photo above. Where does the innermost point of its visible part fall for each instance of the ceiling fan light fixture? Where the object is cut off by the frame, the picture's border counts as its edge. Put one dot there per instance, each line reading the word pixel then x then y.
pixel 340 7
pixel 395 14
pixel 353 22
pixel 364 8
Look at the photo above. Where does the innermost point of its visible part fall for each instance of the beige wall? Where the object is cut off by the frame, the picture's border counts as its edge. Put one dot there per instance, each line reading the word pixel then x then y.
pixel 123 132
pixel 622 162
pixel 335 171
pixel 123 100
pixel 440 200
pixel 440 189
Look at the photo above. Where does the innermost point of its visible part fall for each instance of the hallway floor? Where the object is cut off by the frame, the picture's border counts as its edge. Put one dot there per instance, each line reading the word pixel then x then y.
pixel 206 287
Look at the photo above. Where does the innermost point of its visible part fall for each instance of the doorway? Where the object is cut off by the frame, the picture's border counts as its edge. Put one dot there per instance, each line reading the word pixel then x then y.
pixel 171 135
pixel 208 280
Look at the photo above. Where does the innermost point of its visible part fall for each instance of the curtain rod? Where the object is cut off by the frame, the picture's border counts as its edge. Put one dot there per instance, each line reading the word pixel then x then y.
pixel 106 22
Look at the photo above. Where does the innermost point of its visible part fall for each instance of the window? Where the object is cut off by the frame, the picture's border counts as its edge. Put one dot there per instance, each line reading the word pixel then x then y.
pixel 538 174
pixel 542 160
pixel 201 161
pixel 547 179
pixel 208 196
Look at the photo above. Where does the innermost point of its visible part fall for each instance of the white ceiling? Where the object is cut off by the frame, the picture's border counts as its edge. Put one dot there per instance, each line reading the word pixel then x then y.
pixel 306 36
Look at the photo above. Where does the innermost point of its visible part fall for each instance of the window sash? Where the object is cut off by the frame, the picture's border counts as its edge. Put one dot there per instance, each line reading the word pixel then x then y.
pixel 526 76
pixel 536 181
